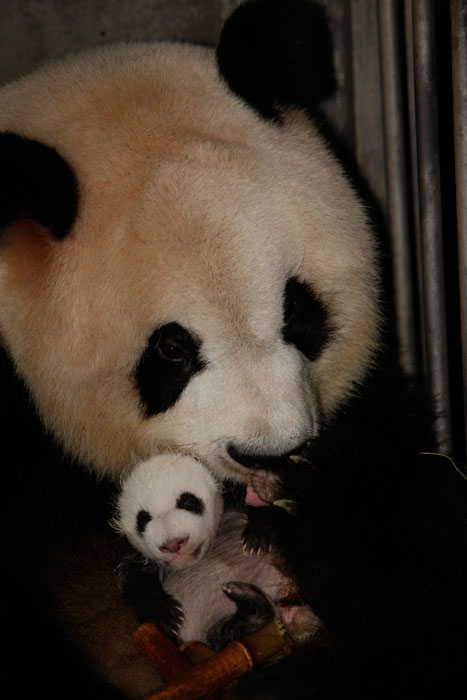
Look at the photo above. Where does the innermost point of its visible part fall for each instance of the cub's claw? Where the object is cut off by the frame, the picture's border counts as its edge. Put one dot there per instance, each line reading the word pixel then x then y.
pixel 170 619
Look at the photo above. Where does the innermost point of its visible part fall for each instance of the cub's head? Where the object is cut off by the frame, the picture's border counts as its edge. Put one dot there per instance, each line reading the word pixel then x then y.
pixel 177 271
pixel 169 508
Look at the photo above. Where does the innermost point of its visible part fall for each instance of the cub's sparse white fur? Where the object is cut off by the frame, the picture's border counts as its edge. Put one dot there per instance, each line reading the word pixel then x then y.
pixel 200 589
pixel 172 534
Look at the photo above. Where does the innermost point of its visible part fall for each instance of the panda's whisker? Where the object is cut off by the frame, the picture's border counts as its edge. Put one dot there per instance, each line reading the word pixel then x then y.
pixel 115 524
pixel 299 265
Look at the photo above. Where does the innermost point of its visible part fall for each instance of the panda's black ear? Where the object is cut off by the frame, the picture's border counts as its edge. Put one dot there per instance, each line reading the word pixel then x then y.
pixel 277 53
pixel 36 183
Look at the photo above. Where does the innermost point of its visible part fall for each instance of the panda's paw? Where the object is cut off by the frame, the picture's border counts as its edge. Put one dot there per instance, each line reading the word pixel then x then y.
pixel 258 537
pixel 254 543
pixel 266 486
pixel 170 618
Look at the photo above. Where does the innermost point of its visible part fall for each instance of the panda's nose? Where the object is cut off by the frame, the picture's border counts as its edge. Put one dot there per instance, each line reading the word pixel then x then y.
pixel 262 461
pixel 174 545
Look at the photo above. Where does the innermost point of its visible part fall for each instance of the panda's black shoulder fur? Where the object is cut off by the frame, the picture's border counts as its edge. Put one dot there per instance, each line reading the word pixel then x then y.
pixel 50 506
pixel 266 52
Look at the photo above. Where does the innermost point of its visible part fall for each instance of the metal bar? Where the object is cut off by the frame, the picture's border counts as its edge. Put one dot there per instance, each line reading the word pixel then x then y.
pixel 339 108
pixel 426 109
pixel 396 181
pixel 416 234
pixel 459 77
pixel 369 148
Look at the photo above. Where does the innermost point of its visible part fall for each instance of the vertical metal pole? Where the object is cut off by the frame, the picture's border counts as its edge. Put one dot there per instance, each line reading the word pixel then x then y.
pixel 426 108
pixel 339 109
pixel 369 148
pixel 396 180
pixel 459 77
pixel 416 234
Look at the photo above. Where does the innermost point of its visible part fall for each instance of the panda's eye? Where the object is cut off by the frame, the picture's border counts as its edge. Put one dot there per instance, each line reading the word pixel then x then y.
pixel 171 357
pixel 188 501
pixel 142 519
pixel 305 319
pixel 170 351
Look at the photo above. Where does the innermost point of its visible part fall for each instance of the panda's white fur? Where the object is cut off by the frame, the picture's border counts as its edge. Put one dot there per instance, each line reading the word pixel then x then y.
pixel 163 490
pixel 192 209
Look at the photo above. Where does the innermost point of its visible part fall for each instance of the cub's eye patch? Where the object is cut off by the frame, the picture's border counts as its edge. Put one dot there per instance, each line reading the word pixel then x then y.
pixel 305 319
pixel 142 519
pixel 171 357
pixel 188 501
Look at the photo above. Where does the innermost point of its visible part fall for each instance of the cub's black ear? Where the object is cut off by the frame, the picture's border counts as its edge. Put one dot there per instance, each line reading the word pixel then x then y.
pixel 277 53
pixel 36 183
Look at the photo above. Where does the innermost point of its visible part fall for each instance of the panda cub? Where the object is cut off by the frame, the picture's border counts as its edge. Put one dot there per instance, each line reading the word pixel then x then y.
pixel 190 568
pixel 169 508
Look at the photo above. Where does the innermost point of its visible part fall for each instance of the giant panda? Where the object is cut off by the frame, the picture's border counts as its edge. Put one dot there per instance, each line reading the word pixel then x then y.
pixel 184 267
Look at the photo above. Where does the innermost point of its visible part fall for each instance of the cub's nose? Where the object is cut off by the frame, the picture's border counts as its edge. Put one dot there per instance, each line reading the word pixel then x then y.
pixel 174 545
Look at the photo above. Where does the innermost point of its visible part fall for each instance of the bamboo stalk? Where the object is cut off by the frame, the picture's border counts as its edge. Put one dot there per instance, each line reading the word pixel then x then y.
pixel 196 652
pixel 238 658
pixel 161 651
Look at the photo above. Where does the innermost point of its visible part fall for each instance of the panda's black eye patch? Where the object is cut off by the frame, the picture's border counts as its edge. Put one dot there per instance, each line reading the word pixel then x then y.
pixel 170 359
pixel 305 319
pixel 142 519
pixel 188 501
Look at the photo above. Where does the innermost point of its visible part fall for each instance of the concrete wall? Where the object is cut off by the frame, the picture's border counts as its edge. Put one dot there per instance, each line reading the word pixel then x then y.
pixel 34 31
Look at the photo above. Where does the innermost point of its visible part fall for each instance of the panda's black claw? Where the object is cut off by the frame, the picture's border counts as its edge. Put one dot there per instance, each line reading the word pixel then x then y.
pixel 252 543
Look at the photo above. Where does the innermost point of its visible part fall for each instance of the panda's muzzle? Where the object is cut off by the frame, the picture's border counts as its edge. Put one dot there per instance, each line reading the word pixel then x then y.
pixel 262 461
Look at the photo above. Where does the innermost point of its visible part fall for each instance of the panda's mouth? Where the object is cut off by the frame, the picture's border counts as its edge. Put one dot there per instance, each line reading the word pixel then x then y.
pixel 182 558
pixel 254 462
pixel 254 469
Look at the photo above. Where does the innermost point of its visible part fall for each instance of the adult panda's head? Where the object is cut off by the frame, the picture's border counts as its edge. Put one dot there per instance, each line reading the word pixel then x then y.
pixel 177 270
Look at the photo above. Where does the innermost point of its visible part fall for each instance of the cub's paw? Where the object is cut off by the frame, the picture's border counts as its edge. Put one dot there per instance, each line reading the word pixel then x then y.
pixel 249 599
pixel 254 610
pixel 170 617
